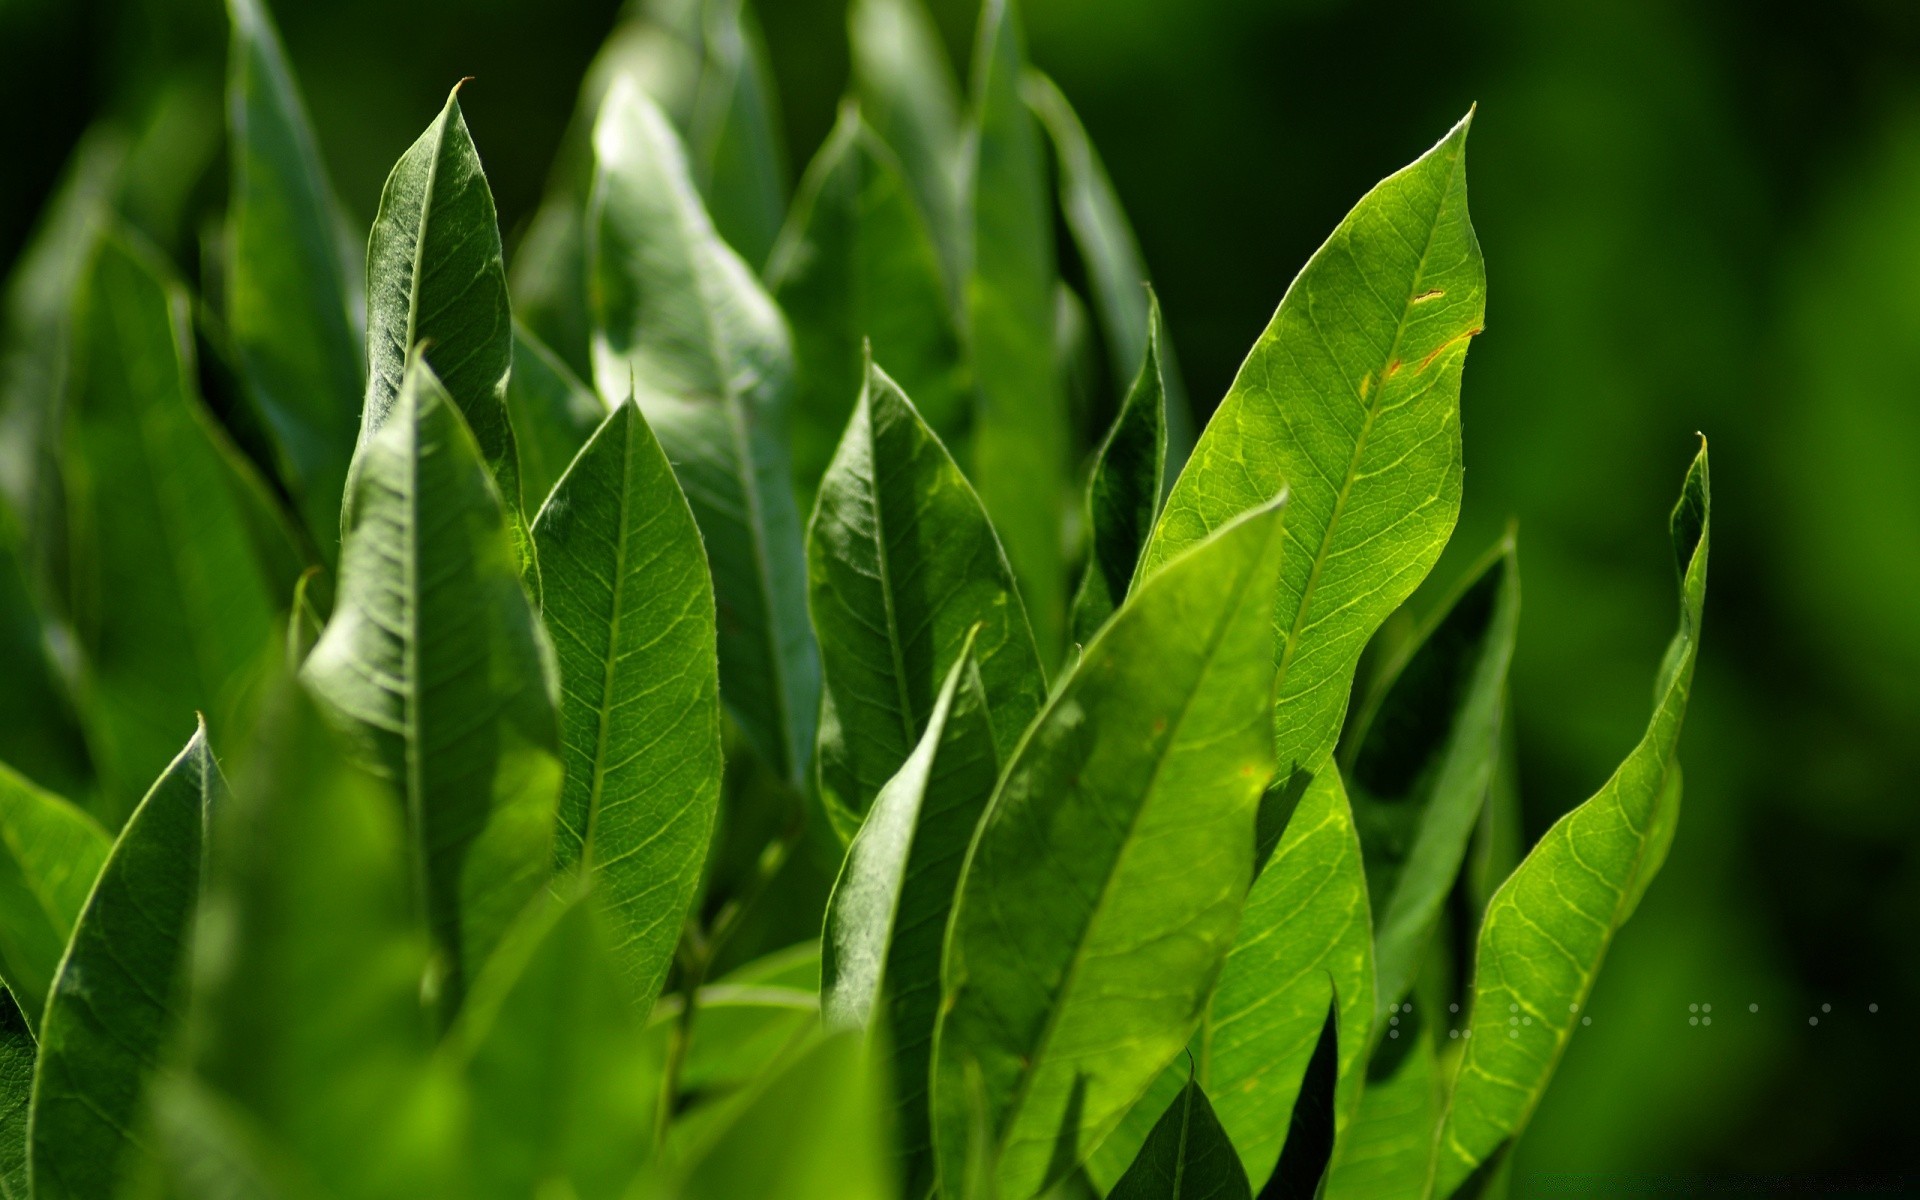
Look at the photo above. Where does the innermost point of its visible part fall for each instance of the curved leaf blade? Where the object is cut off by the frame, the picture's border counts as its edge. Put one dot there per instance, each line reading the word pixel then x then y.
pixel 630 609
pixel 17 1054
pixel 1186 1157
pixel 1388 1149
pixel 1548 927
pixel 734 129
pixel 552 412
pixel 904 567
pixel 50 853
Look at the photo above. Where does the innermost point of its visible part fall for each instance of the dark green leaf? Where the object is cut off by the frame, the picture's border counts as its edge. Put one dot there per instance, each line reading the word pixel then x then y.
pixel 856 269
pixel 553 415
pixel 117 998
pixel 630 609
pixel 904 566
pixel 291 310
pixel 1123 496
pixel 39 728
pixel 50 853
pixel 1548 927
pixel 1388 1148
pixel 1020 432
pixel 681 321
pixel 17 1053
pixel 887 920
pixel 1302 1170
pixel 435 665
pixel 739 150
pixel 1103 888
pixel 1186 1157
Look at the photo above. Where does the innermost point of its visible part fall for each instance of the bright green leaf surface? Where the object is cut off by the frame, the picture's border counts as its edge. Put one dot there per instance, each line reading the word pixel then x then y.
pixel 435 665
pixel 1548 927
pixel 1387 1151
pixel 681 321
pixel 1105 884
pixel 739 150
pixel 1020 430
pixel 562 1081
pixel 290 307
pixel 117 998
pixel 50 853
pixel 1123 496
pixel 630 609
pixel 904 565
pixel 553 415
pixel 1352 399
pixel 17 1053
pixel 1186 1157
pixel 887 920
pixel 172 614
pixel 855 267
pixel 1423 757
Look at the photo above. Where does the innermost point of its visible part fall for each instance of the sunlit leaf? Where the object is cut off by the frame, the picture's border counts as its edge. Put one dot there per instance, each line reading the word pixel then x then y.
pixel 1388 1149
pixel 50 852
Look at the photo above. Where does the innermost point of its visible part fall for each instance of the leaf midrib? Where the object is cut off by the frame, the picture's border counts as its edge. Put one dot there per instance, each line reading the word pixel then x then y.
pixel 604 717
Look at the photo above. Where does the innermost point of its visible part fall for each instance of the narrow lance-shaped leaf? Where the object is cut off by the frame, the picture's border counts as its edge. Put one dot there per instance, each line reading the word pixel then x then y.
pixel 630 608
pixel 740 157
pixel 1422 758
pixel 17 1053
pixel 553 415
pixel 435 666
pixel 1123 495
pixel 1352 398
pixel 290 305
pixel 1186 1157
pixel 904 568
pixel 887 919
pixel 1548 927
pixel 682 323
pixel 1020 431
pixel 50 853
pixel 1111 255
pixel 437 282
pixel 1388 1149
pixel 856 268
pixel 118 996
pixel 1104 886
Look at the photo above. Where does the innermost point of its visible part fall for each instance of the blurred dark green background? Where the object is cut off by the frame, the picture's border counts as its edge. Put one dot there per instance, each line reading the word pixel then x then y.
pixel 1696 216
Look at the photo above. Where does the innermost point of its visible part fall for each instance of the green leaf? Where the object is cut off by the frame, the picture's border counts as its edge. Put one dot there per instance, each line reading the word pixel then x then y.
pixel 1388 1149
pixel 857 273
pixel 888 916
pixel 170 607
pixel 739 157
pixel 1548 927
pixel 50 854
pixel 39 728
pixel 680 320
pixel 562 1081
pixel 307 1026
pixel 1421 760
pixel 435 666
pixel 437 283
pixel 553 414
pixel 17 1053
pixel 1186 1157
pixel 1104 886
pixel 904 566
pixel 908 93
pixel 1352 397
pixel 1111 255
pixel 118 995
pixel 630 609
pixel 291 310
pixel 1020 432
pixel 1123 495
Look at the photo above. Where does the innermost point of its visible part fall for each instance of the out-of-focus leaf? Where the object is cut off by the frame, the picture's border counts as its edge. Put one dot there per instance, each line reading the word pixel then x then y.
pixel 1352 397
pixel 1186 1157
pixel 435 666
pixel 1076 366
pixel 307 1026
pixel 681 321
pixel 437 283
pixel 17 1053
pixel 1421 759
pixel 204 1147
pixel 909 95
pixel 887 921
pixel 630 609
pixel 50 853
pixel 1104 886
pixel 290 308
pixel 1388 1148
pixel 39 729
pixel 904 566
pixel 171 611
pixel 117 998
pixel 1111 255
pixel 1020 429
pixel 1548 927
pixel 857 273
pixel 562 1083
pixel 739 150
pixel 553 415
pixel 1123 496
